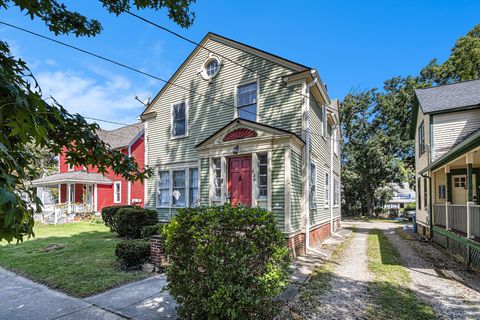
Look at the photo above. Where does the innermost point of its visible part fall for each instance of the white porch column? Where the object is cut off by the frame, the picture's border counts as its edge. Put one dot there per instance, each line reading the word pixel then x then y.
pixel 470 192
pixel 447 203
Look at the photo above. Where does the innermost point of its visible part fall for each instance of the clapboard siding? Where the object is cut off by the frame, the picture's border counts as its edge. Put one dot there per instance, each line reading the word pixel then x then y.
pixel 277 106
pixel 296 206
pixel 421 162
pixel 320 149
pixel 278 187
pixel 451 128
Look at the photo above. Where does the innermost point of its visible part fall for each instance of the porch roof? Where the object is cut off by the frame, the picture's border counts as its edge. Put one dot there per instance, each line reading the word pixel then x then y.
pixel 468 144
pixel 71 177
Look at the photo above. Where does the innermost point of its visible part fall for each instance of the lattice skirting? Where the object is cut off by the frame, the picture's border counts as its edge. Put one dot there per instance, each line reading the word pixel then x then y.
pixel 467 250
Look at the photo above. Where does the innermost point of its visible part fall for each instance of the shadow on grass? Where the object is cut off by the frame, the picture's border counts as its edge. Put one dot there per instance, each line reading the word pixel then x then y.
pixel 84 263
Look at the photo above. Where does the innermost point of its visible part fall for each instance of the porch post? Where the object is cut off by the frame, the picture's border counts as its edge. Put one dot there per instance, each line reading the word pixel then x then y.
pixel 448 182
pixel 470 191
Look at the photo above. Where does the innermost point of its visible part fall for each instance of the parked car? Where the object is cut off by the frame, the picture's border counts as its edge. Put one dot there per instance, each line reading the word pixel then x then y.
pixel 408 214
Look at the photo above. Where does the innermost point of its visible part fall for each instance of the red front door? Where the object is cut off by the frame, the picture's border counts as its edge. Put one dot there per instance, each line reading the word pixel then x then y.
pixel 240 180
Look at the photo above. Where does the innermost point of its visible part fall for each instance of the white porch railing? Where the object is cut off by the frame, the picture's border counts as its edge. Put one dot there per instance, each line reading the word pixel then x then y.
pixel 457 217
pixel 475 220
pixel 61 213
pixel 439 215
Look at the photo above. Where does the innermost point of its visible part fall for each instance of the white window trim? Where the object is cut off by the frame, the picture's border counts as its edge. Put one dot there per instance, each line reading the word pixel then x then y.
pixel 203 70
pixel 170 186
pixel 324 122
pixel 119 184
pixel 172 137
pixel 313 204
pixel 337 196
pixel 326 189
pixel 335 142
pixel 235 103
pixel 213 177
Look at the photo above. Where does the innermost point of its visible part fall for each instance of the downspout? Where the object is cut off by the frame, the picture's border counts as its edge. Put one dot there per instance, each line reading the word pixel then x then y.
pixel 332 190
pixel 307 156
pixel 430 206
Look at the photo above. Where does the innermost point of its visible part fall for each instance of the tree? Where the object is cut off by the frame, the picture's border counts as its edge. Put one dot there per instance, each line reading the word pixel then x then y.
pixel 462 64
pixel 368 162
pixel 376 124
pixel 28 122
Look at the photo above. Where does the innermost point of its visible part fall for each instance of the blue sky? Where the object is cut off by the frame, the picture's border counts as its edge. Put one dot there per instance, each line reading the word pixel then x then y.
pixel 353 44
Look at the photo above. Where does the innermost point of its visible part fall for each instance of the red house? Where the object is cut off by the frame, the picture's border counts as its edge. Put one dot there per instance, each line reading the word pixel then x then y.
pixel 81 190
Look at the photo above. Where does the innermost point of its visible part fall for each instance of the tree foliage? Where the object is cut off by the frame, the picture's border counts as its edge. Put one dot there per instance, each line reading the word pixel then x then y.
pixel 31 124
pixel 376 124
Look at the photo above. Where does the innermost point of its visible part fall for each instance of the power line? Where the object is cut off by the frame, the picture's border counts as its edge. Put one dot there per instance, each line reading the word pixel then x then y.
pixel 126 67
pixel 111 61
pixel 280 83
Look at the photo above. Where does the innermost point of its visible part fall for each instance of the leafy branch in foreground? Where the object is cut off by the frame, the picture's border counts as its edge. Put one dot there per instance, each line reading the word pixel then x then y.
pixel 28 121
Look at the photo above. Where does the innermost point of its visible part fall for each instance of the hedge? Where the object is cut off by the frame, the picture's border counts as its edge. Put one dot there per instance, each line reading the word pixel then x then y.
pixel 225 262
pixel 109 216
pixel 131 254
pixel 130 221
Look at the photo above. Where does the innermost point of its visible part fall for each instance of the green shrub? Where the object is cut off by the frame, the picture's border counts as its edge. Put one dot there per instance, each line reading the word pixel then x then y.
pixel 149 231
pixel 225 262
pixel 109 216
pixel 130 221
pixel 131 254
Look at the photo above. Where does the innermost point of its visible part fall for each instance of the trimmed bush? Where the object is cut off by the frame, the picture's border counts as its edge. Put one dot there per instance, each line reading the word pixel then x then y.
pixel 109 216
pixel 149 231
pixel 130 221
pixel 225 262
pixel 131 254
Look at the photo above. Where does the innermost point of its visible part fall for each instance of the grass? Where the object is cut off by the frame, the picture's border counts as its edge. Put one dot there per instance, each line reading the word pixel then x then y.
pixel 86 265
pixel 394 300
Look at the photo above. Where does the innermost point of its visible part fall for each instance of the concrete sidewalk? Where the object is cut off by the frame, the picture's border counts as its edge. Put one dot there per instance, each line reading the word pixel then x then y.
pixel 145 300
pixel 22 299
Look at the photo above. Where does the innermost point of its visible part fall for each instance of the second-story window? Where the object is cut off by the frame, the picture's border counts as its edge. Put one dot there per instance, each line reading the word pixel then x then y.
pixel 247 101
pixel 179 120
pixel 421 139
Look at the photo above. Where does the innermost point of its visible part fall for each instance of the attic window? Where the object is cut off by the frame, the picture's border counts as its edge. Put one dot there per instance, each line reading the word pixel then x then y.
pixel 210 68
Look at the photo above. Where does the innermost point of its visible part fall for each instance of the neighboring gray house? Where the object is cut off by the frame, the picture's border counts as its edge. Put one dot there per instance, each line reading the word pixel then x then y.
pixel 223 132
pixel 446 128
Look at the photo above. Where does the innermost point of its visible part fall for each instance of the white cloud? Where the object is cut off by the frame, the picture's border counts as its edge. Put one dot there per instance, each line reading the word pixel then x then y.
pixel 105 96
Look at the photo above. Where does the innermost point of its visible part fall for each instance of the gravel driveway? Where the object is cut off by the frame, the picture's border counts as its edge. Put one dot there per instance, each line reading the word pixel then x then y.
pixel 348 297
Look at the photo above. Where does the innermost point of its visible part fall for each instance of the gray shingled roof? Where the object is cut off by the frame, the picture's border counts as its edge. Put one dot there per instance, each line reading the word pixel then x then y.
pixel 72 177
pixel 121 137
pixel 448 97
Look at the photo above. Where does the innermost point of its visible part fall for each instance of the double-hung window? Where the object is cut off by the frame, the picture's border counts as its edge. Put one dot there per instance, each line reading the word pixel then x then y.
pixel 313 185
pixel 178 188
pixel 163 193
pixel 117 192
pixel 247 101
pixel 336 192
pixel 262 176
pixel 217 179
pixel 179 120
pixel 324 121
pixel 194 195
pixel 326 190
pixel 336 148
pixel 421 139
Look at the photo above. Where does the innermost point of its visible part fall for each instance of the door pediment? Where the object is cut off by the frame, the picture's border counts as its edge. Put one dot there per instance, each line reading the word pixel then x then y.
pixel 240 130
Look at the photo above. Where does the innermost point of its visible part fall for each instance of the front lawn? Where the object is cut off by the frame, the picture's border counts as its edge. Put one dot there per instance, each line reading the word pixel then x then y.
pixel 84 266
